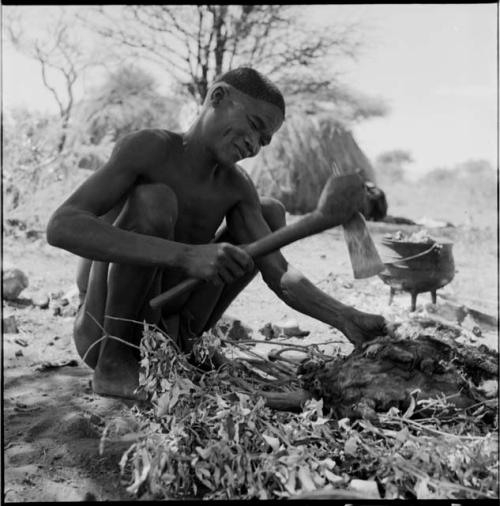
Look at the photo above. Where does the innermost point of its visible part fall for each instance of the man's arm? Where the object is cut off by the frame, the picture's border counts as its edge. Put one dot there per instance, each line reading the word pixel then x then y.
pixel 246 224
pixel 75 225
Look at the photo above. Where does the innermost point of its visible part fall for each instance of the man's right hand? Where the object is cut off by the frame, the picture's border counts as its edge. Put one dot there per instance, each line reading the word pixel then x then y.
pixel 219 262
pixel 343 196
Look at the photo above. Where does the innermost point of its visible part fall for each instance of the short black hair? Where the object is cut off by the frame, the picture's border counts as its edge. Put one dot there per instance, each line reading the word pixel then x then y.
pixel 253 83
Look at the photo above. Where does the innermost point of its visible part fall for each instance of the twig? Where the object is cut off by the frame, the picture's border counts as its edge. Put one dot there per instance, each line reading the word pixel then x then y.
pixel 265 368
pixel 445 323
pixel 406 466
pixel 272 341
pixel 153 325
pixel 104 337
pixel 284 369
pixel 433 431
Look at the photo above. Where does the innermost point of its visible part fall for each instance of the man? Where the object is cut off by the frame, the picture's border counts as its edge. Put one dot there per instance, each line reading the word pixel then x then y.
pixel 146 219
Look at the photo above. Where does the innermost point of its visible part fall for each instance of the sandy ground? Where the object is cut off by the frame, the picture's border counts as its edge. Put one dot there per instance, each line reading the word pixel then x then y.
pixel 52 419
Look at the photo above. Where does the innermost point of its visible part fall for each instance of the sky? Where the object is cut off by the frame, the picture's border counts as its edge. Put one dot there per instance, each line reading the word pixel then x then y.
pixel 435 65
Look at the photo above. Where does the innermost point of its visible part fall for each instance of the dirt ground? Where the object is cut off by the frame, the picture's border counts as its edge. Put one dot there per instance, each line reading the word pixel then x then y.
pixel 52 419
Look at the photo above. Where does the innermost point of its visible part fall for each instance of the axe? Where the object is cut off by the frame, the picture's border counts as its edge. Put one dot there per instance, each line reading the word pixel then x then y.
pixel 365 260
pixel 364 257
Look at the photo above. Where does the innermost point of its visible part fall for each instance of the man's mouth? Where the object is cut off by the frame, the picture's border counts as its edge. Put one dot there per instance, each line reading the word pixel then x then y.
pixel 242 152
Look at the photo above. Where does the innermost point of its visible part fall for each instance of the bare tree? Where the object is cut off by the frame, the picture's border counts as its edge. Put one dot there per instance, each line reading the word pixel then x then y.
pixel 195 43
pixel 61 58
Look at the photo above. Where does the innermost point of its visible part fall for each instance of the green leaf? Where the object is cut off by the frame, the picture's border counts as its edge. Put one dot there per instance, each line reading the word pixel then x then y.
pixel 174 397
pixel 290 485
pixel 230 428
pixel 350 446
pixel 403 435
pixel 162 406
pixel 273 442
pixel 204 453
pixel 304 475
pixel 422 490
pixel 332 477
pixel 411 408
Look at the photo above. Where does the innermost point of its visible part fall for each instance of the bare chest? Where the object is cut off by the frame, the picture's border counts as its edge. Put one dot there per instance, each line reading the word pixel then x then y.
pixel 201 206
pixel 200 212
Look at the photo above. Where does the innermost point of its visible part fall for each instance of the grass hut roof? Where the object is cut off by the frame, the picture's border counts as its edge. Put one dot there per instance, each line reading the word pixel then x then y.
pixel 295 167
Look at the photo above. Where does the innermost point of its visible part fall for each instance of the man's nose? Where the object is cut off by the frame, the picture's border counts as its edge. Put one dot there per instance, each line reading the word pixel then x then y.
pixel 251 146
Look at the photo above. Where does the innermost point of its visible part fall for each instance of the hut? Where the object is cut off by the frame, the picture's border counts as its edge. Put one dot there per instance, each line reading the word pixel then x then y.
pixel 295 167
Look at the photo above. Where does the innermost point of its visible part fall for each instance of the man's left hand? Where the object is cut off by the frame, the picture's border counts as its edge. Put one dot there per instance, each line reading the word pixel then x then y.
pixel 361 327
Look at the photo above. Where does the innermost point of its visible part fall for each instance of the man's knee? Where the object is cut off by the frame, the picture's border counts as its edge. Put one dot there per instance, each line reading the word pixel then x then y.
pixel 150 209
pixel 274 212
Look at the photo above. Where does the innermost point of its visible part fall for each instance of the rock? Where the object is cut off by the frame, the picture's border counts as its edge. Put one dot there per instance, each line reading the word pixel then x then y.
pixel 489 388
pixel 233 328
pixel 239 332
pixel 41 300
pixel 21 342
pixel 267 331
pixel 9 325
pixel 470 324
pixel 72 295
pixel 78 425
pixel 57 295
pixel 34 234
pixel 449 311
pixel 19 353
pixel 14 281
pixel 289 328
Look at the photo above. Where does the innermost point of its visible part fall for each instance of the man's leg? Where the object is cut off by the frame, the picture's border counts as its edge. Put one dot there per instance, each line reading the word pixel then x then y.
pixel 207 304
pixel 92 276
pixel 122 291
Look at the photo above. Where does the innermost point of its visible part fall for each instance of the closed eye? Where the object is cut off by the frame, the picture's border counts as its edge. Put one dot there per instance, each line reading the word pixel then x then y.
pixel 264 139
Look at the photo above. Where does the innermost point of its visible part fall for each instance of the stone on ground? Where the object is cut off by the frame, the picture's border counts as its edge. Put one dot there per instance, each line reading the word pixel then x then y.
pixel 14 281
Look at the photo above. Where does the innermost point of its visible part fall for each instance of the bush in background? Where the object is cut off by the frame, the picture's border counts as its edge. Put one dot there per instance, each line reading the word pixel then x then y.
pixel 29 152
pixel 127 101
pixel 391 166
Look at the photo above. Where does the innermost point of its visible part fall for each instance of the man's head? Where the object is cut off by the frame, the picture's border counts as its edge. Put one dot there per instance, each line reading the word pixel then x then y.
pixel 254 84
pixel 243 110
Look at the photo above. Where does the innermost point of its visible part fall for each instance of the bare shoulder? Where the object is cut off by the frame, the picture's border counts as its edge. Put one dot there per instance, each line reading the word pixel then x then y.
pixel 243 185
pixel 145 147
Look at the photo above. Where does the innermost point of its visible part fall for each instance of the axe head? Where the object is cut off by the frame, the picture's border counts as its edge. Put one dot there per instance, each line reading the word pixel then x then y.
pixel 365 260
pixel 364 256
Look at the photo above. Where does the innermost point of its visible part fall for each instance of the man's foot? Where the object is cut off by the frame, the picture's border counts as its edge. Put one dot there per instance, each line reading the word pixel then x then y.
pixel 118 377
pixel 361 327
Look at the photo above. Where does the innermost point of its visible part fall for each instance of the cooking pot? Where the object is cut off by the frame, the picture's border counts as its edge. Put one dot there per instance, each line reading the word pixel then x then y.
pixel 417 267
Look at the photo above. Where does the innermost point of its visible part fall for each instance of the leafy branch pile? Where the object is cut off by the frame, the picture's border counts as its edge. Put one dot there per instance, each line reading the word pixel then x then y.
pixel 207 435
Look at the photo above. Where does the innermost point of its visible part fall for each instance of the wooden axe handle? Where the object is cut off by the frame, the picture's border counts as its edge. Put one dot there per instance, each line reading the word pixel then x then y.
pixel 310 224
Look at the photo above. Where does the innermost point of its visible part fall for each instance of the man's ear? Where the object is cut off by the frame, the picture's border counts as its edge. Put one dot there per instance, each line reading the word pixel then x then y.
pixel 218 94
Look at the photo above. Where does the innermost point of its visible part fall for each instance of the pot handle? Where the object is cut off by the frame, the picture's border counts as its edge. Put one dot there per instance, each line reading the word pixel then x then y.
pixel 434 246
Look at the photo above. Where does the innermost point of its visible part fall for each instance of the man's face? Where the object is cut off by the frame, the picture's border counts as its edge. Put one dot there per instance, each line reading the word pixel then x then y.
pixel 240 125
